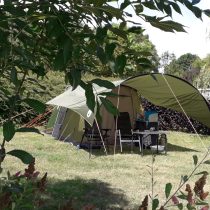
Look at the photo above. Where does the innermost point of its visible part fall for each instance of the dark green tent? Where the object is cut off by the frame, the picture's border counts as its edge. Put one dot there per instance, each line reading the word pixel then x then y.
pixel 172 92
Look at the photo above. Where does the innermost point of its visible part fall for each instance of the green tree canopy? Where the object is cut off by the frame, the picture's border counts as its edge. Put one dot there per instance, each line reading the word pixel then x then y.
pixel 186 67
pixel 203 78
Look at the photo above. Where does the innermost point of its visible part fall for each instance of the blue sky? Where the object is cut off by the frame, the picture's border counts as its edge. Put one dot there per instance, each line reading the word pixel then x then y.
pixel 195 41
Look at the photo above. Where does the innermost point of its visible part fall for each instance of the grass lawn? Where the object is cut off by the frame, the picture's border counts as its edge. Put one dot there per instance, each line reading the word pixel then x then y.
pixel 120 180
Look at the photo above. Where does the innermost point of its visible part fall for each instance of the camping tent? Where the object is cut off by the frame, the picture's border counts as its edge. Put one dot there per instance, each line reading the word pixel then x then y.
pixel 161 89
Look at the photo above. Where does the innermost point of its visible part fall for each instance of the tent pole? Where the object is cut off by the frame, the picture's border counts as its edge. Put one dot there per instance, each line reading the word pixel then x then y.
pixel 184 111
pixel 118 102
pixel 101 136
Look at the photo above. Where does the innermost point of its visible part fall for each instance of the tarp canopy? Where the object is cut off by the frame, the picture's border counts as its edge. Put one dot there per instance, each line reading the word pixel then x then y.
pixel 161 89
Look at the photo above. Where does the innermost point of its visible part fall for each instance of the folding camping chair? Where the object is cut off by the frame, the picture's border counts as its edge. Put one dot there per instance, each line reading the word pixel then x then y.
pixel 93 136
pixel 124 130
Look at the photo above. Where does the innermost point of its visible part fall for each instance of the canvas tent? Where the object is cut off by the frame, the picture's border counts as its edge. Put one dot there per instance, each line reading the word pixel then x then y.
pixel 160 89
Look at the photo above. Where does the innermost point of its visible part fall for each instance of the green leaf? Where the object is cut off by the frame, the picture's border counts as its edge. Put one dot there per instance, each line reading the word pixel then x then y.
pixel 101 55
pixel 180 206
pixel 125 4
pixel 25 129
pixel 190 207
pixel 67 50
pixel 168 188
pixel 155 204
pixel 195 1
pixel 120 64
pixel 113 11
pixel 109 50
pixel 59 60
pixel 144 62
pixel 195 159
pixel 202 172
pixel 39 70
pixel 103 83
pixel 201 203
pixel 38 106
pixel 135 29
pixel 150 5
pixel 139 9
pixel 90 97
pixel 122 25
pixel 183 197
pixel 101 34
pixel 185 178
pixel 207 162
pixel 24 156
pixel 119 32
pixel 207 12
pixel 167 9
pixel 160 4
pixel 8 130
pixel 168 26
pixel 197 12
pixel 109 106
pixel 76 78
pixel 176 7
pixel 13 76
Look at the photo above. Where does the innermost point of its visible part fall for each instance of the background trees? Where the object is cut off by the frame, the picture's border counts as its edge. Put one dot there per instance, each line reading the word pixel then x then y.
pixel 183 66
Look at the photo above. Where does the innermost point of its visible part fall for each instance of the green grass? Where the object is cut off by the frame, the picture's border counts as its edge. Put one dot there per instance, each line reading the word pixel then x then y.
pixel 120 180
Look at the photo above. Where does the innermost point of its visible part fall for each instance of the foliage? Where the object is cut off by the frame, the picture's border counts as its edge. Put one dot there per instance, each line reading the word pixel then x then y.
pixel 165 59
pixel 203 78
pixel 186 67
pixel 141 55
pixel 22 191
pixel 194 198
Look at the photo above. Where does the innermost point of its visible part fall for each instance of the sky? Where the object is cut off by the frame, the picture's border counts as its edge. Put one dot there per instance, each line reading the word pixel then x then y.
pixel 195 41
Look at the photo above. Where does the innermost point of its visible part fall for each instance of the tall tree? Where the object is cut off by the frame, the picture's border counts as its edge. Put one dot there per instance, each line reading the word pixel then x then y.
pixel 141 55
pixel 165 59
pixel 203 78
pixel 184 67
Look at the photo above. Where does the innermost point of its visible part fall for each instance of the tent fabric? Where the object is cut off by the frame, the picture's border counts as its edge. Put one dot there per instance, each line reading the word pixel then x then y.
pixel 76 101
pixel 128 101
pixel 154 88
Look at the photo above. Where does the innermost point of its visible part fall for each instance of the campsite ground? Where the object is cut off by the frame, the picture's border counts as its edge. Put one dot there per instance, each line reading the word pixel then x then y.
pixel 120 180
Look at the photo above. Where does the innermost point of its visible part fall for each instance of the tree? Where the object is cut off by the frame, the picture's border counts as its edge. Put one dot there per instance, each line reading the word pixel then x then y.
pixel 203 78
pixel 141 55
pixel 186 67
pixel 165 59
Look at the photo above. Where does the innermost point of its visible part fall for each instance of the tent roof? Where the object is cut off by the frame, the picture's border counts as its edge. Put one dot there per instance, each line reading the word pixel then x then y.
pixel 160 89
pixel 76 100
pixel 171 92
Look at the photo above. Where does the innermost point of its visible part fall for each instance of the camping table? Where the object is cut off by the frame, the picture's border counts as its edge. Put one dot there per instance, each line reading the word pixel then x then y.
pixel 149 132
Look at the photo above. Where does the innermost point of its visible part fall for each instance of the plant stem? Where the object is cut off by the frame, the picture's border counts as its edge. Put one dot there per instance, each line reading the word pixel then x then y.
pixel 193 171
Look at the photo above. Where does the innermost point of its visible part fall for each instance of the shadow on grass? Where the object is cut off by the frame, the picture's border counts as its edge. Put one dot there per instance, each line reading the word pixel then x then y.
pixel 83 192
pixel 173 147
pixel 128 150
